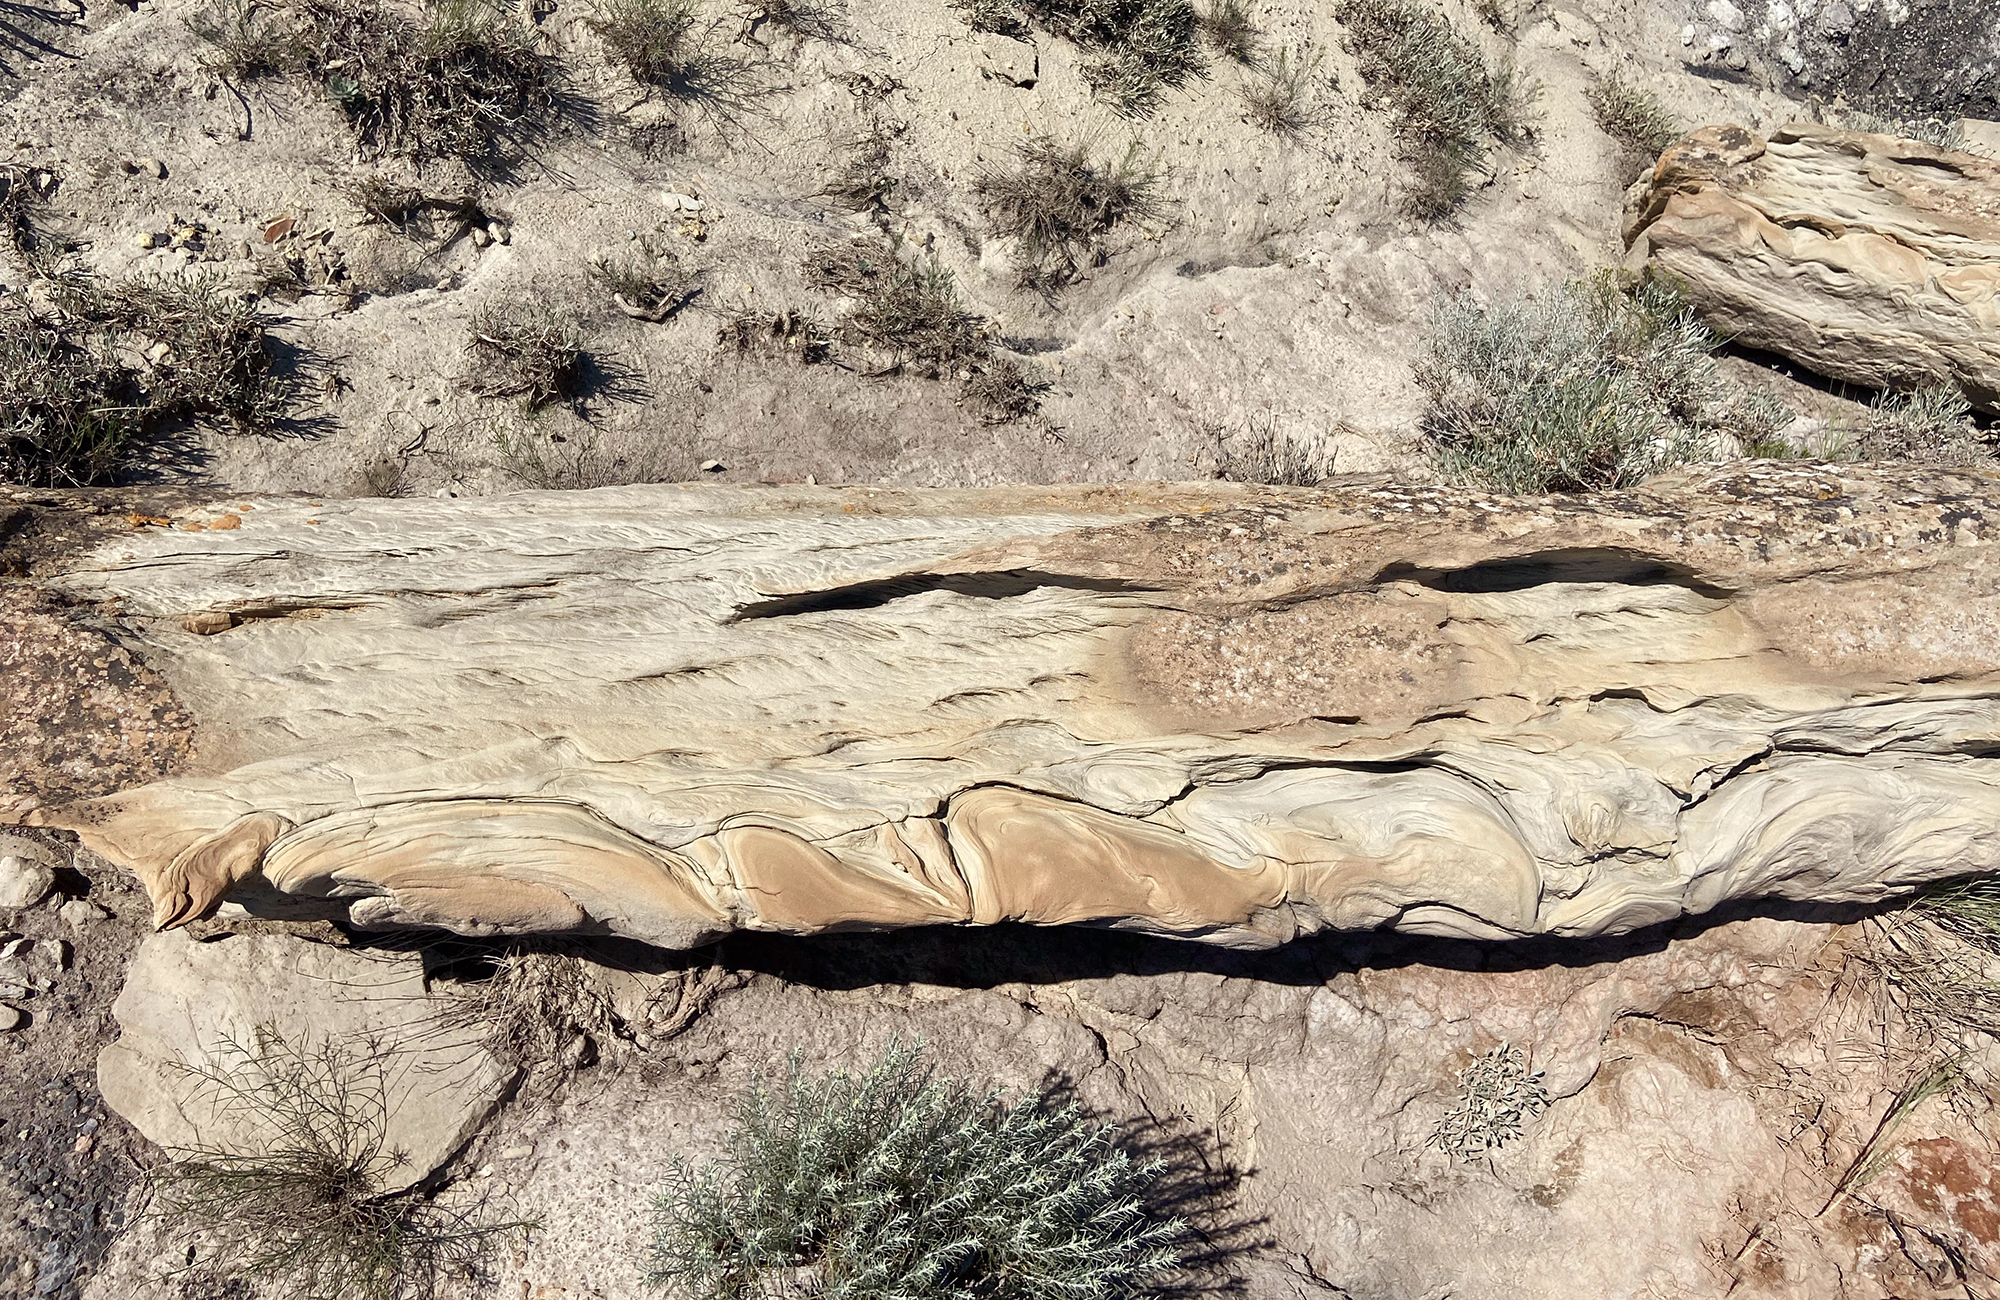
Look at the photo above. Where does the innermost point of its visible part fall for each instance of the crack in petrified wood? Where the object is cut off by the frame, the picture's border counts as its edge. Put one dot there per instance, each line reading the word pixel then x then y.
pixel 1211 712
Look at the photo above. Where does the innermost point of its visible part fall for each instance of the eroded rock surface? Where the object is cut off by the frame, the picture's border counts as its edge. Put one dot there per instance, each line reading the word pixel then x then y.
pixel 1867 258
pixel 1237 715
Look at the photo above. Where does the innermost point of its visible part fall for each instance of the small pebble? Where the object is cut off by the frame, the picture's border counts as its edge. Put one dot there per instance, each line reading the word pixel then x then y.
pixel 79 913
pixel 9 1019
pixel 24 883
pixel 501 232
pixel 480 238
pixel 713 467
pixel 153 167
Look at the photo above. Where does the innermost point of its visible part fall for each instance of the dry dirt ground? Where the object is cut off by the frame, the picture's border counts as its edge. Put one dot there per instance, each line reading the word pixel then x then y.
pixel 1277 295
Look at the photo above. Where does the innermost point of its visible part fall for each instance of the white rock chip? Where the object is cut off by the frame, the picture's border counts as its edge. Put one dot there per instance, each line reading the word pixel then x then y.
pixel 24 882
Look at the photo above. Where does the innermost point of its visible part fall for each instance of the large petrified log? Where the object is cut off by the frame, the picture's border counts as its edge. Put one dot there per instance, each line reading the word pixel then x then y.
pixel 1867 258
pixel 1232 714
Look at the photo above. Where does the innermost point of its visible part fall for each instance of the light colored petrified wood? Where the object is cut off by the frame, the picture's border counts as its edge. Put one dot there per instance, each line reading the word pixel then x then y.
pixel 1868 258
pixel 1222 713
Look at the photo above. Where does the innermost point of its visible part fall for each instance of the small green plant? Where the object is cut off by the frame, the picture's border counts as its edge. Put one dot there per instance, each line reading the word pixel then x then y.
pixel 1139 49
pixel 667 47
pixel 1277 96
pixel 1058 205
pixel 1931 425
pixel 304 1206
pixel 92 374
pixel 1448 107
pixel 1229 31
pixel 1497 1096
pixel 898 1185
pixel 1878 1152
pixel 530 350
pixel 1588 386
pixel 913 312
pixel 1632 116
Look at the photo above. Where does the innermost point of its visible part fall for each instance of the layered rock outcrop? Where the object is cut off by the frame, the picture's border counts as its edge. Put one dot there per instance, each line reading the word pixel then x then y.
pixel 1867 258
pixel 1231 714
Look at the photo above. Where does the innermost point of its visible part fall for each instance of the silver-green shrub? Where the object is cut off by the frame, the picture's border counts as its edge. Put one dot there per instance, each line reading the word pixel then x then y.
pixel 1583 387
pixel 895 1184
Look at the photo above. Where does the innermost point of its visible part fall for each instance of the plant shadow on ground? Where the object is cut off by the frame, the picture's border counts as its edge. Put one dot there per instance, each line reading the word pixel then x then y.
pixel 28 33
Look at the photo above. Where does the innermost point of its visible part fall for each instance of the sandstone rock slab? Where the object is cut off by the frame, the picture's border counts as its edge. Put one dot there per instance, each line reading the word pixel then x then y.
pixel 1867 258
pixel 191 1006
pixel 1212 712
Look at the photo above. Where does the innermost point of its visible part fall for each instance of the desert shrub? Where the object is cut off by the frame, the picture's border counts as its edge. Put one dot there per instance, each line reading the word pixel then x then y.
pixel 24 196
pixel 1631 115
pixel 1276 96
pixel 863 183
pixel 91 375
pixel 1932 425
pixel 1497 1096
pixel 461 79
pixel 1267 452
pixel 649 282
pixel 527 349
pixel 304 1208
pixel 796 334
pixel 1937 958
pixel 1227 28
pixel 1057 205
pixel 1588 386
pixel 670 49
pixel 898 1185
pixel 914 313
pixel 805 19
pixel 1448 108
pixel 1139 49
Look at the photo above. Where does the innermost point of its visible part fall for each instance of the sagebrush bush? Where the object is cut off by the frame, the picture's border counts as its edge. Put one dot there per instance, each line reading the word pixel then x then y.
pixel 1631 115
pixel 304 1208
pixel 1139 49
pixel 1586 386
pixel 461 79
pixel 899 1185
pixel 1448 107
pixel 1931 425
pixel 1497 1096
pixel 91 375
pixel 1057 205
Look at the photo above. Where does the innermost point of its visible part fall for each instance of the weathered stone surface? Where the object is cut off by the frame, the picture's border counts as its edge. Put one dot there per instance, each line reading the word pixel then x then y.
pixel 23 881
pixel 191 1006
pixel 1209 712
pixel 1868 258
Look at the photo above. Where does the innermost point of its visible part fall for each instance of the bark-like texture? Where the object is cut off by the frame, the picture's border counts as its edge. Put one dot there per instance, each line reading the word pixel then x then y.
pixel 1867 258
pixel 1231 714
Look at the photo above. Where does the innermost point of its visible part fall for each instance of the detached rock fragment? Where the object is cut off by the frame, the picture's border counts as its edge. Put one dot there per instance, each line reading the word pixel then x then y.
pixel 1866 258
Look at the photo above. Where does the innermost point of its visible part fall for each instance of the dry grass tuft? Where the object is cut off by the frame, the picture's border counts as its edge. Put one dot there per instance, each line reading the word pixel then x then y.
pixel 1139 49
pixel 1633 116
pixel 530 350
pixel 1058 205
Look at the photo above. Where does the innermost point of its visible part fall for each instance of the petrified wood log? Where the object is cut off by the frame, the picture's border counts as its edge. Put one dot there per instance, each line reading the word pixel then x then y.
pixel 1868 258
pixel 1224 713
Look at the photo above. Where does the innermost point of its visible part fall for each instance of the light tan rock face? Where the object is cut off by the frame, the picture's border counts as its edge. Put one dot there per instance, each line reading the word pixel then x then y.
pixel 1229 714
pixel 1867 258
pixel 204 1027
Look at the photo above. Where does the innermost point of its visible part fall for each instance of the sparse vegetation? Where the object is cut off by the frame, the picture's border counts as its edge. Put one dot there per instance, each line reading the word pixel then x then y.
pixel 1497 1097
pixel 1058 205
pixel 913 313
pixel 461 79
pixel 1139 49
pixel 530 350
pixel 1277 95
pixel 1227 28
pixel 304 1207
pixel 1267 452
pixel 650 283
pixel 1633 116
pixel 863 183
pixel 1931 425
pixel 669 48
pixel 1589 386
pixel 1879 1151
pixel 1936 957
pixel 898 1185
pixel 795 334
pixel 1449 108
pixel 24 195
pixel 805 19
pixel 91 372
